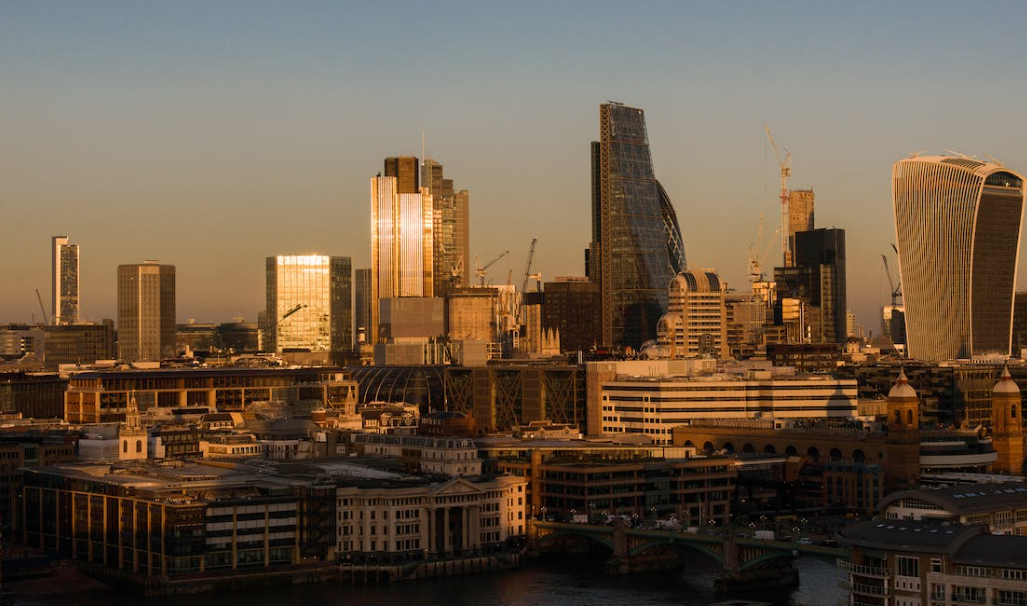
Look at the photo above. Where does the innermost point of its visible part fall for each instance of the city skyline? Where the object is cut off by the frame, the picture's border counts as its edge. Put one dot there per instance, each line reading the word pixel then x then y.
pixel 234 154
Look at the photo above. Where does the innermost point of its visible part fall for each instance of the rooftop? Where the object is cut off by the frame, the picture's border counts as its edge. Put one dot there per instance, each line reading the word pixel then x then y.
pixel 967 499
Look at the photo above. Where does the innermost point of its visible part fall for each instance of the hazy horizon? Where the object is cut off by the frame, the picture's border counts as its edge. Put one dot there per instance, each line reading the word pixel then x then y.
pixel 212 135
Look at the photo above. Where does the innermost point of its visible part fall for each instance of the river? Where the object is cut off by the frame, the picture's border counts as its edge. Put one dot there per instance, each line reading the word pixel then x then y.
pixel 560 583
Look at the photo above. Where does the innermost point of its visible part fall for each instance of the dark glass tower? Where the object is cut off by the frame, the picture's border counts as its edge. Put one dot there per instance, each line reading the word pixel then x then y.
pixel 636 241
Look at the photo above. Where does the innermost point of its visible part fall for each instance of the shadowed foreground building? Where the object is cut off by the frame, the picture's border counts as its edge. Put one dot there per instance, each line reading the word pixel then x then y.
pixel 957 223
pixel 636 241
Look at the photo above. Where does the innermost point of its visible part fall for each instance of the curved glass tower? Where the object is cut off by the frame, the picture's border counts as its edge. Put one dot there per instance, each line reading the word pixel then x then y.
pixel 636 241
pixel 957 224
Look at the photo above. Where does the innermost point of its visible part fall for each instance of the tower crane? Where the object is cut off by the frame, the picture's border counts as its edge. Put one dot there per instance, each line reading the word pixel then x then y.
pixel 758 254
pixel 292 311
pixel 786 171
pixel 480 271
pixel 896 289
pixel 524 282
pixel 39 298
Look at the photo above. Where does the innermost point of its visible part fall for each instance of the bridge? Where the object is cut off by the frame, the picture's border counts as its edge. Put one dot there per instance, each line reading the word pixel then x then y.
pixel 745 561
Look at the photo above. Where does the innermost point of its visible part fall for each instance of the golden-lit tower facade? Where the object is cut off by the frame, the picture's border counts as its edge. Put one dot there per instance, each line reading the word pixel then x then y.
pixel 957 226
pixel 902 467
pixel 800 218
pixel 401 241
pixel 1007 425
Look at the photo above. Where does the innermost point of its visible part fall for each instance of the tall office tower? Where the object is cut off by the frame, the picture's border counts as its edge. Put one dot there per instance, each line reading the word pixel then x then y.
pixel 636 242
pixel 800 218
pixel 309 303
pixel 65 281
pixel 957 224
pixel 362 305
pixel 696 320
pixel 451 233
pixel 401 239
pixel 406 171
pixel 821 253
pixel 146 312
pixel 570 308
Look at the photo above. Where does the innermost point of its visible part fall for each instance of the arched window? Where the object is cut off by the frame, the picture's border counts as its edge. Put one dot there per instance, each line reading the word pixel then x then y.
pixel 124 446
pixel 898 418
pixel 909 417
pixel 1012 411
pixel 835 455
pixel 139 445
pixel 813 454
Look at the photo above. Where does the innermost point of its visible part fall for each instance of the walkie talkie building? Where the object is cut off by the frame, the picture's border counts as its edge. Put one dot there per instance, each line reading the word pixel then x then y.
pixel 636 241
pixel 957 224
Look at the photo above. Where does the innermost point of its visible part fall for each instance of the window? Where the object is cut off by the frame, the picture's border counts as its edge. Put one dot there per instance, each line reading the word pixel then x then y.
pixel 139 445
pixel 936 565
pixel 907 567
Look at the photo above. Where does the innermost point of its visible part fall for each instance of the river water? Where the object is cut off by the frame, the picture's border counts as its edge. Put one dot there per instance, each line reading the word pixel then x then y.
pixel 560 583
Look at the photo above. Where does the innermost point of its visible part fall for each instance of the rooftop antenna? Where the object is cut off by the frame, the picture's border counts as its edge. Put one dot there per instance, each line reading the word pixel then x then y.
pixel 916 154
pixel 963 156
pixel 422 147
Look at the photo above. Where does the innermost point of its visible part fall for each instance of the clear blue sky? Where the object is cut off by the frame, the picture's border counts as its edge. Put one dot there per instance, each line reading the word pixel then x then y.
pixel 211 134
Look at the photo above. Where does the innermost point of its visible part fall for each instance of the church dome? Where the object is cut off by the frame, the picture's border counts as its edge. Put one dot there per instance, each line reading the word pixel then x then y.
pixel 1006 384
pixel 902 388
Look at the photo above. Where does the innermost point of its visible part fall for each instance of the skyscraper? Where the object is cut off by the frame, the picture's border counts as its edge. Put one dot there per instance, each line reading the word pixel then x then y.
pixel 362 305
pixel 696 320
pixel 65 281
pixel 402 245
pixel 800 218
pixel 309 303
pixel 957 224
pixel 451 233
pixel 636 241
pixel 146 312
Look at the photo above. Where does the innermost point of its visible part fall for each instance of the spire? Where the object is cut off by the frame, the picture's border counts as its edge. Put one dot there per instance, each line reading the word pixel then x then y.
pixel 902 388
pixel 1006 384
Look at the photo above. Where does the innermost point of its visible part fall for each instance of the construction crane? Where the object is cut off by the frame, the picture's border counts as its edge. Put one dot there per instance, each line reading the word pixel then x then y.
pixel 292 311
pixel 786 171
pixel 39 298
pixel 524 282
pixel 480 271
pixel 896 289
pixel 758 254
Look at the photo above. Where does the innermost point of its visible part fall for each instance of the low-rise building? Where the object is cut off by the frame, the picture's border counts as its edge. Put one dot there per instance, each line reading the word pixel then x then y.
pixel 448 456
pixel 1002 508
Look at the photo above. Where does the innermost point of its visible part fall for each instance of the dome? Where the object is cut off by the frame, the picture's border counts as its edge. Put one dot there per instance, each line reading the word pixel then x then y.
pixel 1006 384
pixel 902 388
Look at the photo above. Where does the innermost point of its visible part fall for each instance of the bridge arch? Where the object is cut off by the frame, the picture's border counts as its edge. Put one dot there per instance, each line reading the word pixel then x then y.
pixel 767 560
pixel 600 538
pixel 676 544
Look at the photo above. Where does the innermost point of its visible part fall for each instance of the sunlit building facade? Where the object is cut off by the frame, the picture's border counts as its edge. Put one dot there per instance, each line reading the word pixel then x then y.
pixel 64 306
pixel 401 242
pixel 451 229
pixel 146 312
pixel 957 224
pixel 800 218
pixel 696 320
pixel 309 303
pixel 636 241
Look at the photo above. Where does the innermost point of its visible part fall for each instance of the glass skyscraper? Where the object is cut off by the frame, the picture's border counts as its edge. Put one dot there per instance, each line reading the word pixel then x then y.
pixel 636 242
pixel 957 224
pixel 65 281
pixel 309 303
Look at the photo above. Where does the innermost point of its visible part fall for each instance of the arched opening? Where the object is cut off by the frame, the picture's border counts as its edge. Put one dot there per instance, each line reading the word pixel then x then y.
pixel 1012 411
pixel 707 447
pixel 748 448
pixel 689 444
pixel 124 446
pixel 835 455
pixel 859 456
pixel 909 417
pixel 769 449
pixel 729 447
pixel 898 418
pixel 813 454
pixel 791 451
pixel 139 445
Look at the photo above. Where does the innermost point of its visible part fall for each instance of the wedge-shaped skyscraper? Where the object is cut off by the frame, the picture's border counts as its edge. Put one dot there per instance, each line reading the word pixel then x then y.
pixel 636 241
pixel 957 224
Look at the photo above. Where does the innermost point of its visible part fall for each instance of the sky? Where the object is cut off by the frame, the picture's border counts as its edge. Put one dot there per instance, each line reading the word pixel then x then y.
pixel 212 134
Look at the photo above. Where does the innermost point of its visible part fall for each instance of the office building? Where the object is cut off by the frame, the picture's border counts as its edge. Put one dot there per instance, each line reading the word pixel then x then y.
pixel 636 242
pixel 451 229
pixel 471 314
pixel 696 320
pixel 65 303
pixel 402 244
pixel 800 218
pixel 78 344
pixel 957 224
pixel 361 305
pixel 309 303
pixel 811 293
pixel 146 312
pixel 570 308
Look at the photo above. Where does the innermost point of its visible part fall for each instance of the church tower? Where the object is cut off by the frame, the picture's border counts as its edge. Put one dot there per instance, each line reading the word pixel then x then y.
pixel 902 466
pixel 1007 425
